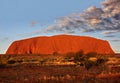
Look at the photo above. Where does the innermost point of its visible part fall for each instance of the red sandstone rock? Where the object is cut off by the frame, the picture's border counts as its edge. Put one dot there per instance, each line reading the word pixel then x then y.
pixel 61 44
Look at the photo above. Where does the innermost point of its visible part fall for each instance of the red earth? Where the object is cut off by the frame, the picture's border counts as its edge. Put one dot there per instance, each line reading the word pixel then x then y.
pixel 60 44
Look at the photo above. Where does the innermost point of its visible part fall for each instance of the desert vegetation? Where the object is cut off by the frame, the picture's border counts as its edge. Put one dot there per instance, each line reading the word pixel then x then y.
pixel 68 68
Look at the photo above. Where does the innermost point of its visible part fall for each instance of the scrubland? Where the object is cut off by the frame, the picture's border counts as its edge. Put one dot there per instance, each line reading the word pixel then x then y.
pixel 58 68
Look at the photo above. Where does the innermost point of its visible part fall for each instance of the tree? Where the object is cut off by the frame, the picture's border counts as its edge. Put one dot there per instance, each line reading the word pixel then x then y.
pixel 88 64
pixel 91 54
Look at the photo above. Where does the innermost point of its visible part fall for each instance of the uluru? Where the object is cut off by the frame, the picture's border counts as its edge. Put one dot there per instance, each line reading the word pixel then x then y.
pixel 60 44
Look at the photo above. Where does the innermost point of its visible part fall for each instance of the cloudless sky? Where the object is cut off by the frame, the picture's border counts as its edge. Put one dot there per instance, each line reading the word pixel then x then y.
pixel 17 16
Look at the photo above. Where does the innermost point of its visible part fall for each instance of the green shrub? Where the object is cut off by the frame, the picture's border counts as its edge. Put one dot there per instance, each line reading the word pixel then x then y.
pixel 79 53
pixel 2 65
pixel 100 61
pixel 51 59
pixel 19 61
pixel 91 54
pixel 43 61
pixel 55 53
pixel 81 64
pixel 70 54
pixel 79 57
pixel 89 64
pixel 11 62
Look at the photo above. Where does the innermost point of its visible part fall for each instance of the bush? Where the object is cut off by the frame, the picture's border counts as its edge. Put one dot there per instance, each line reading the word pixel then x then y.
pixel 43 61
pixel 55 53
pixel 11 62
pixel 79 57
pixel 84 59
pixel 70 54
pixel 20 61
pixel 2 65
pixel 100 61
pixel 68 59
pixel 4 59
pixel 91 54
pixel 81 64
pixel 88 64
pixel 79 53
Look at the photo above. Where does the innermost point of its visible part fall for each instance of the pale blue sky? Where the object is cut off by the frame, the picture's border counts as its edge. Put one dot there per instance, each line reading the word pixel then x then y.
pixel 16 17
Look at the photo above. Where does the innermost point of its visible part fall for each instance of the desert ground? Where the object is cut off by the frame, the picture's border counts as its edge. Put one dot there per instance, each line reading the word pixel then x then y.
pixel 29 68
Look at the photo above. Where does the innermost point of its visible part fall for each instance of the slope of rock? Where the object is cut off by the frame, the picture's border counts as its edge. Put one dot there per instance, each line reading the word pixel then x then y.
pixel 61 44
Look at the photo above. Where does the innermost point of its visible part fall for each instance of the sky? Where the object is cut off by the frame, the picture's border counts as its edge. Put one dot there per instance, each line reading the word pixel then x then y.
pixel 21 19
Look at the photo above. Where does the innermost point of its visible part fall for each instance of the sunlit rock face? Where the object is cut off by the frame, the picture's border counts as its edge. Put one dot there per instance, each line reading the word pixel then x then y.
pixel 59 44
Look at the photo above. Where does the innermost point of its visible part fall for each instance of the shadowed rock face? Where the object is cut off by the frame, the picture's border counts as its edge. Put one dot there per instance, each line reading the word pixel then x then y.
pixel 60 44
